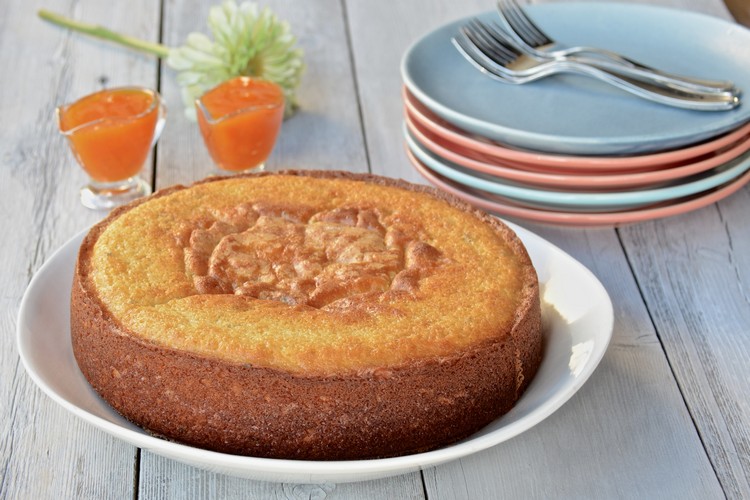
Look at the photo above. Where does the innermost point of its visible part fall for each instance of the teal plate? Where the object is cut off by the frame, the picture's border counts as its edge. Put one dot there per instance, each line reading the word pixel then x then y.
pixel 570 114
pixel 618 200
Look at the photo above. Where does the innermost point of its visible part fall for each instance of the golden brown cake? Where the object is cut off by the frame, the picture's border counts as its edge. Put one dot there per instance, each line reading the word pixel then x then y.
pixel 306 315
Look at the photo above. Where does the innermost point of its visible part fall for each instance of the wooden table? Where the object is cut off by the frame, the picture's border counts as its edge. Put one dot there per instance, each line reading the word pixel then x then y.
pixel 666 414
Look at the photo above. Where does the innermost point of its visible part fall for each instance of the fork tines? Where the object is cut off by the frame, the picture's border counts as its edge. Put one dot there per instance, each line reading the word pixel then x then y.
pixel 490 43
pixel 522 23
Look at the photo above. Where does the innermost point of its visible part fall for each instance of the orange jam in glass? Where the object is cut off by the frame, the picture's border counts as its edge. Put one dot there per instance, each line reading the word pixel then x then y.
pixel 111 132
pixel 240 120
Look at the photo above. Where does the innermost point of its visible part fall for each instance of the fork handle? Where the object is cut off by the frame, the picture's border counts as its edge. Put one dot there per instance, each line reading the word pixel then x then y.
pixel 652 91
pixel 655 91
pixel 607 59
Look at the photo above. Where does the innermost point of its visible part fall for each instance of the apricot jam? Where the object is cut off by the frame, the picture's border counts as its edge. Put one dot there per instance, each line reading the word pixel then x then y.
pixel 240 120
pixel 111 132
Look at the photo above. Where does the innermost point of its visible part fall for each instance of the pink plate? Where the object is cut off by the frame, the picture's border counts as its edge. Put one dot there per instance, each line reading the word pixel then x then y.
pixel 506 207
pixel 570 164
pixel 483 163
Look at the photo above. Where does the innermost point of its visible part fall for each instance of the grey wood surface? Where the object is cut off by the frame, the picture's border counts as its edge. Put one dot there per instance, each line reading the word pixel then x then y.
pixel 666 415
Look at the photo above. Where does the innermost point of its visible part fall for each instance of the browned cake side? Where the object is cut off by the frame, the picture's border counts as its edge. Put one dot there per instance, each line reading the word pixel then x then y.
pixel 421 391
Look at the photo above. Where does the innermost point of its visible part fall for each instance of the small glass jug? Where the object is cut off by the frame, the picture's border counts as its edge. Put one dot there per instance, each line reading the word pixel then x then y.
pixel 111 133
pixel 240 120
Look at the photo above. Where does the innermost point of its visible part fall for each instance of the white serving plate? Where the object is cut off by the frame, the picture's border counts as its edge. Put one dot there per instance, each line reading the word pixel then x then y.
pixel 578 320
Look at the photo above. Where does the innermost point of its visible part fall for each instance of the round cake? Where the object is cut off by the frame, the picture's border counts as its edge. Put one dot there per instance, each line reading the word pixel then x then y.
pixel 306 315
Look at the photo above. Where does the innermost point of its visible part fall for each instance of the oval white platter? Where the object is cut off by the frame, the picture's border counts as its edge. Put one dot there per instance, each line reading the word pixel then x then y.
pixel 578 320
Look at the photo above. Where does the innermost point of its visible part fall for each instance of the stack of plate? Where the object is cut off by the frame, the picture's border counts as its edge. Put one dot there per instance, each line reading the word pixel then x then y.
pixel 571 150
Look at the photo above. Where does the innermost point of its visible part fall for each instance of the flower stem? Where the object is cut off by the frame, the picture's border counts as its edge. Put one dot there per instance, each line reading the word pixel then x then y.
pixel 103 33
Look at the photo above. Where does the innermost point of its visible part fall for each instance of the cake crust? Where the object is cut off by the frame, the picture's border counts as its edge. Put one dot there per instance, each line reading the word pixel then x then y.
pixel 265 411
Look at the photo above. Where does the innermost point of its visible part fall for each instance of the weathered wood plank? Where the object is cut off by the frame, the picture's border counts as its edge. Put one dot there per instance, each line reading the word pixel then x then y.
pixel 45 451
pixel 626 434
pixel 161 478
pixel 629 423
pixel 694 274
pixel 377 59
pixel 325 134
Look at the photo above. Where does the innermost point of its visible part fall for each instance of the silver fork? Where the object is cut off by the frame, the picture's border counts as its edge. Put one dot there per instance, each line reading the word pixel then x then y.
pixel 522 29
pixel 504 62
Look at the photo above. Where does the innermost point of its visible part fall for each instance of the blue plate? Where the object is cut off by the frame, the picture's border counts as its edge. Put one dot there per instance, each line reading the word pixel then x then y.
pixel 619 200
pixel 571 114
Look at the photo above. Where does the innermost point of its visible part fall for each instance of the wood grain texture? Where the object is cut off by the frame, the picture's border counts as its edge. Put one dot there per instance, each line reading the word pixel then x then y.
pixel 689 270
pixel 665 415
pixel 638 411
pixel 45 451
pixel 377 56
pixel 628 424
pixel 694 273
pixel 324 134
pixel 161 478
pixel 698 298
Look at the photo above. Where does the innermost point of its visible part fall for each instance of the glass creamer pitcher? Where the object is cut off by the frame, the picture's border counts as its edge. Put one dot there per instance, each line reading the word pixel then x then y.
pixel 240 120
pixel 111 133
